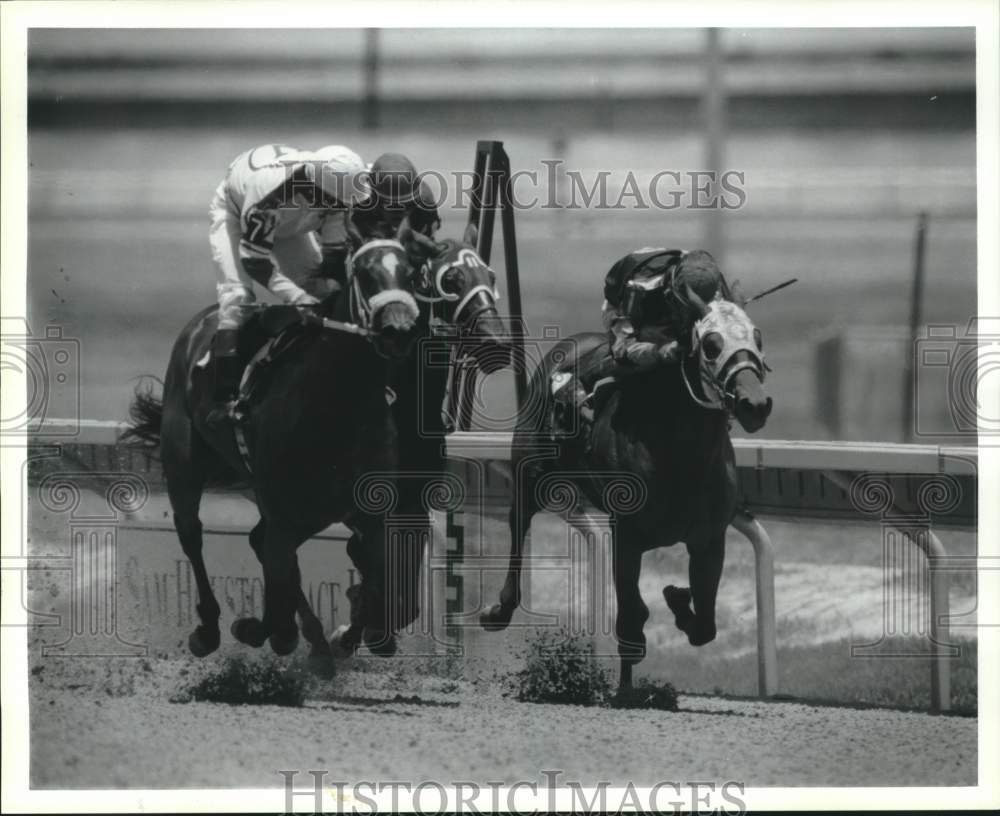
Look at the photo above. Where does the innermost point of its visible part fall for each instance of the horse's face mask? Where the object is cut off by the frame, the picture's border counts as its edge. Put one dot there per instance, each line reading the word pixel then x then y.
pixel 380 298
pixel 731 365
pixel 462 290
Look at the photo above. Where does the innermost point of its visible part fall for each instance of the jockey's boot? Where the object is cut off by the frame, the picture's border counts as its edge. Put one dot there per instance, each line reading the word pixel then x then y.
pixel 603 377
pixel 228 372
pixel 570 400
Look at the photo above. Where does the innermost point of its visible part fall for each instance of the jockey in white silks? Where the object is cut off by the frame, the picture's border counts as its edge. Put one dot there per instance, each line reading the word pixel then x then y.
pixel 278 218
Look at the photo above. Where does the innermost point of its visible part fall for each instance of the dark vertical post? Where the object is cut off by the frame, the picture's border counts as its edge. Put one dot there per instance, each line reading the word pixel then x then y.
pixel 464 371
pixel 516 314
pixel 370 103
pixel 492 187
pixel 714 122
pixel 908 421
pixel 487 186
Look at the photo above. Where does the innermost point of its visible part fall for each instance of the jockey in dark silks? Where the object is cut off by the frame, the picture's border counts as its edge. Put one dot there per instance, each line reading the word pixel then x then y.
pixel 396 193
pixel 641 292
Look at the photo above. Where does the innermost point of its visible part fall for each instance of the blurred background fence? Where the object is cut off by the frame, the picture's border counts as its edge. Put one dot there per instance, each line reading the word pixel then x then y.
pixel 843 138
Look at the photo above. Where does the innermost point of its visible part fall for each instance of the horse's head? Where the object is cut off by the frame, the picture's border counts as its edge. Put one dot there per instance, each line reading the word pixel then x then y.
pixel 380 299
pixel 463 288
pixel 730 354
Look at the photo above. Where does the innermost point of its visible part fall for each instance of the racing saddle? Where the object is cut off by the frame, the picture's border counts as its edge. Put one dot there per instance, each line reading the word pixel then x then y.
pixel 267 335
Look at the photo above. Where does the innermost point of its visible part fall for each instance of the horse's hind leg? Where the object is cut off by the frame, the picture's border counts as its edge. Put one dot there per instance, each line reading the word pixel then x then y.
pixel 632 612
pixel 375 606
pixel 312 626
pixel 705 561
pixel 519 518
pixel 346 639
pixel 183 467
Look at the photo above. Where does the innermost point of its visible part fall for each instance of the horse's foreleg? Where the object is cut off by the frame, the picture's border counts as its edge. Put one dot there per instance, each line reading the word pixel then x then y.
pixel 312 626
pixel 632 612
pixel 405 555
pixel 498 616
pixel 282 586
pixel 377 605
pixel 373 608
pixel 705 563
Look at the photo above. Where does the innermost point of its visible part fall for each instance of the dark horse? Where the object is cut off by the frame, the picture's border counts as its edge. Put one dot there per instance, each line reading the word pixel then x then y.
pixel 321 425
pixel 457 294
pixel 660 463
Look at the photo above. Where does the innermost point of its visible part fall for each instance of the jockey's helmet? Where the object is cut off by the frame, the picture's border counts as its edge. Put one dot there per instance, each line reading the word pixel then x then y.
pixel 394 180
pixel 699 270
pixel 342 175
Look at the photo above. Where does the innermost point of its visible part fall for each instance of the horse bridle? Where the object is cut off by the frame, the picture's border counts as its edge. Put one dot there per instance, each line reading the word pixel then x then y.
pixel 439 295
pixel 361 308
pixel 726 398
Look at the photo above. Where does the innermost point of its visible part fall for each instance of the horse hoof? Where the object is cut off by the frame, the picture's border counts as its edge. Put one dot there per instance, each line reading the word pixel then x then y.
pixel 204 641
pixel 284 644
pixel 381 644
pixel 679 601
pixel 342 648
pixel 496 620
pixel 700 635
pixel 250 631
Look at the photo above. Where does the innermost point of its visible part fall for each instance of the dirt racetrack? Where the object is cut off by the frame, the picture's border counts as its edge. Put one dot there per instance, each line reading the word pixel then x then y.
pixel 113 724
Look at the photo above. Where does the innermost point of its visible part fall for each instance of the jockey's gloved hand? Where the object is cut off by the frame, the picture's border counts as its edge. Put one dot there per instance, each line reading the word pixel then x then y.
pixel 312 316
pixel 623 336
pixel 670 352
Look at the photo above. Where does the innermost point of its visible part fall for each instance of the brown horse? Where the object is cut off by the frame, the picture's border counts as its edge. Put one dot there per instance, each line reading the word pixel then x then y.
pixel 660 463
pixel 322 424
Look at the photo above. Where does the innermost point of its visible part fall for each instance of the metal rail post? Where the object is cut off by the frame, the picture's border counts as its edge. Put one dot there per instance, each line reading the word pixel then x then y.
pixel 767 650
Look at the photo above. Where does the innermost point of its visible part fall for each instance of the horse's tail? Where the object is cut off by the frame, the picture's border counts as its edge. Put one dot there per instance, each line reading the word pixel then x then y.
pixel 145 416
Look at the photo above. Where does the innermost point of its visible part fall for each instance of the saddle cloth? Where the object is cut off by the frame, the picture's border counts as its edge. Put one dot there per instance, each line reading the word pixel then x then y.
pixel 572 385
